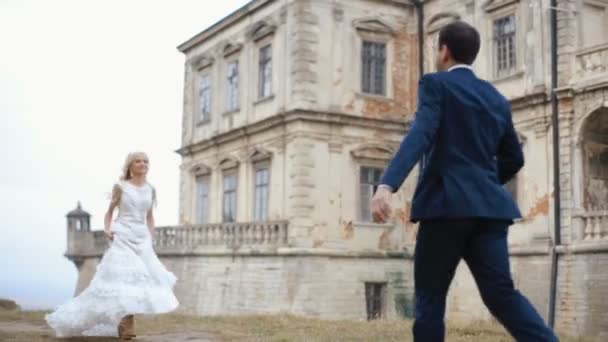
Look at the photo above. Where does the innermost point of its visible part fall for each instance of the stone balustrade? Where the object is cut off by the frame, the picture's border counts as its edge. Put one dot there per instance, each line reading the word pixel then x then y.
pixel 592 62
pixel 190 237
pixel 593 225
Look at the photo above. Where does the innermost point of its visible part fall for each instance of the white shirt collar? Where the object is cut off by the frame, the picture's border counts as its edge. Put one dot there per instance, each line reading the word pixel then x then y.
pixel 459 66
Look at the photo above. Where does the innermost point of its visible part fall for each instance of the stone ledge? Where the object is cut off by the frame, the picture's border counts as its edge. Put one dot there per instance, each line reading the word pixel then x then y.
pixel 583 247
pixel 531 250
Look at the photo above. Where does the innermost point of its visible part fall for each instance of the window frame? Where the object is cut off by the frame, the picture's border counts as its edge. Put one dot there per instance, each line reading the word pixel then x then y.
pixel 257 167
pixel 232 172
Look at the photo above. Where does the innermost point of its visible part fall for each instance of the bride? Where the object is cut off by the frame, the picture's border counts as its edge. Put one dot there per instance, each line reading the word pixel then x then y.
pixel 129 279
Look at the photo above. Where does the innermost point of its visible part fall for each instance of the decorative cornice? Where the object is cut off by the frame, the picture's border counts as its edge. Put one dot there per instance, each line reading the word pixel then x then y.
pixel 285 118
pixel 261 29
pixel 372 151
pixel 231 48
pixel 259 154
pixel 218 27
pixel 441 19
pixel 374 25
pixel 228 162
pixel 493 5
pixel 538 97
pixel 201 61
pixel 200 169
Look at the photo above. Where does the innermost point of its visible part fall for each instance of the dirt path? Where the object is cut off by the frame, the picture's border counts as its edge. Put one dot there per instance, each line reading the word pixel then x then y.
pixel 17 327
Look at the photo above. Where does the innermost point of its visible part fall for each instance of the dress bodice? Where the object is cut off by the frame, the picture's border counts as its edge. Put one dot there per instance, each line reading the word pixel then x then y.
pixel 135 202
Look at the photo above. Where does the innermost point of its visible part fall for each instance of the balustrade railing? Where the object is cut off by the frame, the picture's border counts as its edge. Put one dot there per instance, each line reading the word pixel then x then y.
pixel 593 225
pixel 592 62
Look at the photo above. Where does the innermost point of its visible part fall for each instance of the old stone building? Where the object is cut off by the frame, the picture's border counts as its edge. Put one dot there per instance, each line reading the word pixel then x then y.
pixel 292 108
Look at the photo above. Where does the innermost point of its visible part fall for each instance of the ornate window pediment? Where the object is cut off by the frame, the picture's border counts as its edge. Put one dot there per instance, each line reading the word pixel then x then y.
pixel 493 5
pixel 228 162
pixel 200 169
pixel 259 154
pixel 231 48
pixel 374 25
pixel 439 20
pixel 202 61
pixel 373 152
pixel 262 29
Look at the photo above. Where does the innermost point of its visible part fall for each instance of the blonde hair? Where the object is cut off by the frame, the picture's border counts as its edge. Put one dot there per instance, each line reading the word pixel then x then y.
pixel 126 168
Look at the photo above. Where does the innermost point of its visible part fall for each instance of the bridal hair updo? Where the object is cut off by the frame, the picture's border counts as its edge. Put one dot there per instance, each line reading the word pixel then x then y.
pixel 126 169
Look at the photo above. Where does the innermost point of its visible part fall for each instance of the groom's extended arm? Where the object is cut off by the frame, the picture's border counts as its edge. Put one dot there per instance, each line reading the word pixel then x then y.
pixel 421 135
pixel 509 155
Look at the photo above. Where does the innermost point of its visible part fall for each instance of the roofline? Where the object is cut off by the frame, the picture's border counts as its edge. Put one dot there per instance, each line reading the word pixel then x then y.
pixel 231 18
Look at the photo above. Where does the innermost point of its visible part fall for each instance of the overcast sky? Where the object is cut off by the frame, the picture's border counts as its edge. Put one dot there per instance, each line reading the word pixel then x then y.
pixel 82 83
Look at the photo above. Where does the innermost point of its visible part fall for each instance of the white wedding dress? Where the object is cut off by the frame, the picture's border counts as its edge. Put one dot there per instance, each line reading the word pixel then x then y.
pixel 129 279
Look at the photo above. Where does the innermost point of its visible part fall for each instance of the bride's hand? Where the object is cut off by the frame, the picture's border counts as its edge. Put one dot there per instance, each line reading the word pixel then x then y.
pixel 109 234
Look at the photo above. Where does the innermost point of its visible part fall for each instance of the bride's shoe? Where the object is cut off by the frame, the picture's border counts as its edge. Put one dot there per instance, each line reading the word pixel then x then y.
pixel 126 328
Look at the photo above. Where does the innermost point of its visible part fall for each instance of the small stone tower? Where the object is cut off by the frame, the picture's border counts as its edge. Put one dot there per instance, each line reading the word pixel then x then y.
pixel 79 224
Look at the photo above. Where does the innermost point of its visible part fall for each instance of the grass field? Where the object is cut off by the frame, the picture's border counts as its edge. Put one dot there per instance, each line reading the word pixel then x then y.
pixel 29 326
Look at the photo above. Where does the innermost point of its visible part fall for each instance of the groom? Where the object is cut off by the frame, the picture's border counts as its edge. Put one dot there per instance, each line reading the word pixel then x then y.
pixel 463 126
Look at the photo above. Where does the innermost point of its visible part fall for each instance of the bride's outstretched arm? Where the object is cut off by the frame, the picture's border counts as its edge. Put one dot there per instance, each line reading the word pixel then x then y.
pixel 116 192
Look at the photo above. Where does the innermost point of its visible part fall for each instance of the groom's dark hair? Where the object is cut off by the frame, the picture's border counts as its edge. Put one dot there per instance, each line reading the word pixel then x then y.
pixel 462 40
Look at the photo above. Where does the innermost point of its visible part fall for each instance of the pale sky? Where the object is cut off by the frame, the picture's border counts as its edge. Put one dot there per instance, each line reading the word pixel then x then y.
pixel 82 83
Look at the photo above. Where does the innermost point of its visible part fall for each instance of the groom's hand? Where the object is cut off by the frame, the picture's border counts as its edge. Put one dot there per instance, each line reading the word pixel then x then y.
pixel 381 208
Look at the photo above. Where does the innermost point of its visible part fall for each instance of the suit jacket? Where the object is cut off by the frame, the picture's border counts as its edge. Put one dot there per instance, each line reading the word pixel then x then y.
pixel 463 126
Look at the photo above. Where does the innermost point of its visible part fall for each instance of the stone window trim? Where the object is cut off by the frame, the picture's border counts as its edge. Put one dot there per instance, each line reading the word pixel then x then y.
pixel 261 30
pixel 202 61
pixel 372 156
pixel 258 165
pixel 439 20
pixel 258 155
pixel 232 105
pixel 378 154
pixel 374 67
pixel 233 193
pixel 200 118
pixel 374 30
pixel 375 26
pixel 364 211
pixel 228 163
pixel 506 9
pixel 202 210
pixel 261 63
pixel 231 48
pixel 491 6
pixel 200 170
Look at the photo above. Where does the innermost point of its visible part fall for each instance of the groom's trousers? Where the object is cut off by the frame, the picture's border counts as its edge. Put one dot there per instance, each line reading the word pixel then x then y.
pixel 482 244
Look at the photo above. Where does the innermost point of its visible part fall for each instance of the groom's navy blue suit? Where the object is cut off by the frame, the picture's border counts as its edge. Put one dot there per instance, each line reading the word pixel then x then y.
pixel 464 129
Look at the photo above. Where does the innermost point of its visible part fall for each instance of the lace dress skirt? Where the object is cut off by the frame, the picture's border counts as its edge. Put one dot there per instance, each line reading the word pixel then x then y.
pixel 130 279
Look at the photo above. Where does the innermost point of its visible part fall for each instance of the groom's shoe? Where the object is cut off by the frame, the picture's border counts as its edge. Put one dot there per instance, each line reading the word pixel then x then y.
pixel 126 328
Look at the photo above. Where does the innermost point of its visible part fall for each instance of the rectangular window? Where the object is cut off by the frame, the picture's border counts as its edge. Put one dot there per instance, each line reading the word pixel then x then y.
pixel 375 294
pixel 265 74
pixel 204 97
pixel 504 45
pixel 262 183
pixel 232 92
pixel 230 188
pixel 368 183
pixel 202 201
pixel 373 68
